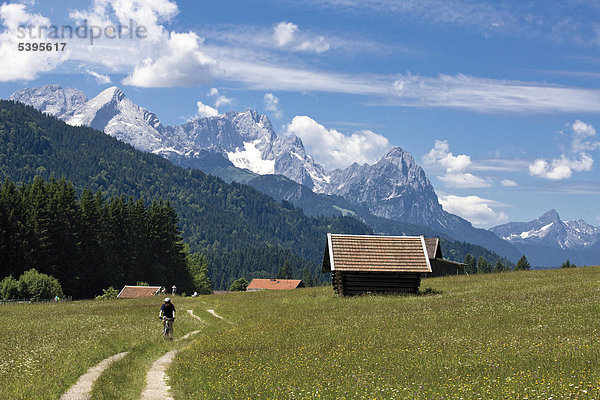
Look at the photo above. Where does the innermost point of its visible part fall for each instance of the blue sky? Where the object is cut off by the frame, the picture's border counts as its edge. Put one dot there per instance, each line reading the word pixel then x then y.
pixel 499 101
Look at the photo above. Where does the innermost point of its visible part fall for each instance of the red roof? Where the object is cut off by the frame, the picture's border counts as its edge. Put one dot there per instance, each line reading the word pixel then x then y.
pixel 134 292
pixel 274 284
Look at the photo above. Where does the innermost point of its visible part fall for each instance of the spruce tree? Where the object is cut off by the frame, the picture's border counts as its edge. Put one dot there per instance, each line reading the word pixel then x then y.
pixel 470 264
pixel 522 264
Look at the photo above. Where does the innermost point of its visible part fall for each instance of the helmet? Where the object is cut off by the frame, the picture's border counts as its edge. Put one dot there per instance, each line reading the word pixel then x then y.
pixel 167 300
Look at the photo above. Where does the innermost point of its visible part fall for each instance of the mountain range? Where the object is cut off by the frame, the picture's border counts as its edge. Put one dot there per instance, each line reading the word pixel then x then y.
pixel 243 147
pixel 549 241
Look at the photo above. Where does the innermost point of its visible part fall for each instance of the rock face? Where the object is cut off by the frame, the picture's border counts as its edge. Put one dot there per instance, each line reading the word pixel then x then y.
pixel 112 112
pixel 395 187
pixel 51 99
pixel 550 231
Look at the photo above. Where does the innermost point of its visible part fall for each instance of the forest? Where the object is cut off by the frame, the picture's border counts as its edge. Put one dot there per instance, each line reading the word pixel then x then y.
pixel 89 243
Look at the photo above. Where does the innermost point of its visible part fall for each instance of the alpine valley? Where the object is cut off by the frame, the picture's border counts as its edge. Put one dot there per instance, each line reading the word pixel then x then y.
pixel 392 196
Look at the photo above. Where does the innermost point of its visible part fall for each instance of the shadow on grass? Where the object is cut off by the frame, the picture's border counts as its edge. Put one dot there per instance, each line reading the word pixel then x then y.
pixel 422 292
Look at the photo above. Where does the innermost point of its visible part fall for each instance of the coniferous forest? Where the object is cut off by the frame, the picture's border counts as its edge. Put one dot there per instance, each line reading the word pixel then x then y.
pixel 88 243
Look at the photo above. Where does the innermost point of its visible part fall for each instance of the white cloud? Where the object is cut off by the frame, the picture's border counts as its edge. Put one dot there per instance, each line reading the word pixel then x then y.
pixel 260 75
pixel 181 63
pixel 476 210
pixel 561 168
pixel 333 149
pixel 288 35
pixel 101 79
pixel 154 58
pixel 491 95
pixel 283 33
pixel 575 158
pixel 24 65
pixel 508 183
pixel 574 22
pixel 581 133
pixel 221 99
pixel 463 180
pixel 455 167
pixel 206 110
pixel 272 104
pixel 444 91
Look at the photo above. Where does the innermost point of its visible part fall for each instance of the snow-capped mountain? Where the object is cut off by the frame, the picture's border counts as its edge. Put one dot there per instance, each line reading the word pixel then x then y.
pixel 112 112
pixel 549 230
pixel 395 187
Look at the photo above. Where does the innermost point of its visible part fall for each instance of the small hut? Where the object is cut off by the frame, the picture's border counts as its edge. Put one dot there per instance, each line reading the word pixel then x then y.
pixel 380 264
pixel 274 284
pixel 440 266
pixel 134 292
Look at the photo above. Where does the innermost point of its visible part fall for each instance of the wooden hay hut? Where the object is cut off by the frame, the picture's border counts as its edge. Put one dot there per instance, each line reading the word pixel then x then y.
pixel 134 292
pixel 440 266
pixel 378 264
pixel 274 284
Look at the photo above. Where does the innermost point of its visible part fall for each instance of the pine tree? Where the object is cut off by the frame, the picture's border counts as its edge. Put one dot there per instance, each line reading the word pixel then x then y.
pixel 482 266
pixel 307 277
pixel 522 264
pixel 567 264
pixel 198 268
pixel 285 272
pixel 470 264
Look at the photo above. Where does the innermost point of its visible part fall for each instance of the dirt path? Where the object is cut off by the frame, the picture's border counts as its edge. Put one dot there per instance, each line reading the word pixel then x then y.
pixel 157 387
pixel 218 316
pixel 187 335
pixel 191 312
pixel 82 389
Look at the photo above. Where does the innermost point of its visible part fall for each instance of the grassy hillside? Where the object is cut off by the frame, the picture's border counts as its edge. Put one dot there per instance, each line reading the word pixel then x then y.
pixel 529 334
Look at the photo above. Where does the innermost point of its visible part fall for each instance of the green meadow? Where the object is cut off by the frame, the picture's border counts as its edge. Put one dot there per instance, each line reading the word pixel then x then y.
pixel 526 335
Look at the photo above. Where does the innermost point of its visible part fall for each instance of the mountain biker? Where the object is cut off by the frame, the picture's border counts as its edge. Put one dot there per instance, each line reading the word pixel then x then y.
pixel 167 314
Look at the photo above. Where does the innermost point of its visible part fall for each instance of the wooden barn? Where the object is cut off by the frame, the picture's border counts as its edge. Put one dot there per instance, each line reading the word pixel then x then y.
pixel 377 264
pixel 134 292
pixel 440 266
pixel 274 284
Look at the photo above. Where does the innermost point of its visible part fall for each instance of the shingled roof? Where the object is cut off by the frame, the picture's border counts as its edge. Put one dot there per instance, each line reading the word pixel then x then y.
pixel 434 250
pixel 134 292
pixel 368 253
pixel 274 284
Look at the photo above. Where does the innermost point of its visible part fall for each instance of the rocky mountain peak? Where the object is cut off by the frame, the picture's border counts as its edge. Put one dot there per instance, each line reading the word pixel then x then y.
pixel 549 230
pixel 550 216
pixel 51 99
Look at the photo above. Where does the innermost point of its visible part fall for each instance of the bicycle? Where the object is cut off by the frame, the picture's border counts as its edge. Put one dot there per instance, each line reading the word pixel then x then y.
pixel 168 328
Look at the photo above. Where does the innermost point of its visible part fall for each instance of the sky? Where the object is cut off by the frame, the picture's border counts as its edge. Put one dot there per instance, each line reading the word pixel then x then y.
pixel 499 101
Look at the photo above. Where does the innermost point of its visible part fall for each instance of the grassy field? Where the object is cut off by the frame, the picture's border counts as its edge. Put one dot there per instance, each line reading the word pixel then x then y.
pixel 531 334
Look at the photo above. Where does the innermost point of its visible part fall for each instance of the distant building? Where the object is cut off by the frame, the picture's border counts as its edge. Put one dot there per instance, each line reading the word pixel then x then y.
pixel 134 292
pixel 440 266
pixel 375 264
pixel 274 284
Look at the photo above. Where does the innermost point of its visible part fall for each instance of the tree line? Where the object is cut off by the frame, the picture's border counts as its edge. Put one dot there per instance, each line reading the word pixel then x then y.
pixel 481 265
pixel 91 242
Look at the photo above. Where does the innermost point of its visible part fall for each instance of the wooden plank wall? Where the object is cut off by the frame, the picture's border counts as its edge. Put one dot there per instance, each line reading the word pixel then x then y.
pixel 354 283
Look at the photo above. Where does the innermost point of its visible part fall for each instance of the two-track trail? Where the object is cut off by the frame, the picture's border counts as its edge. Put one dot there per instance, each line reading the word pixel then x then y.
pixel 157 387
pixel 82 389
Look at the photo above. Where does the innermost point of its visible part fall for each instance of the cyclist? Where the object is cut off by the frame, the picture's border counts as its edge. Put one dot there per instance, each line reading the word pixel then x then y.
pixel 167 314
